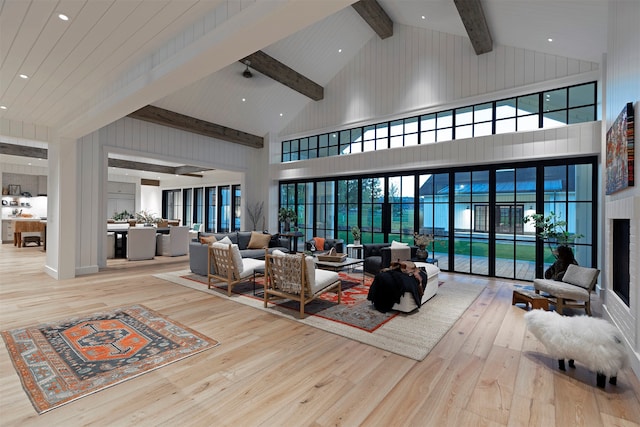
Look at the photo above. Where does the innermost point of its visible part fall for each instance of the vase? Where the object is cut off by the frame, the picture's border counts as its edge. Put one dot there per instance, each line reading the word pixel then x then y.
pixel 356 242
pixel 421 253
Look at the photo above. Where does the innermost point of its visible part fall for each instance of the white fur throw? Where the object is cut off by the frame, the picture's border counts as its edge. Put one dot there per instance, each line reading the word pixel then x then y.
pixel 594 342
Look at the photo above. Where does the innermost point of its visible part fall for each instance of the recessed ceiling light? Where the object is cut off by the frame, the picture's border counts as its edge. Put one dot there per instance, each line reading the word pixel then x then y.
pixel 63 17
pixel 29 163
pixel 423 17
pixel 339 50
pixel 2 107
pixel 24 76
pixel 281 114
pixel 244 99
pixel 549 39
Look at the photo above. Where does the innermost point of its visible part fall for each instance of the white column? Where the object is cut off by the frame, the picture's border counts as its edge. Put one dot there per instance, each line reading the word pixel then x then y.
pixel 61 209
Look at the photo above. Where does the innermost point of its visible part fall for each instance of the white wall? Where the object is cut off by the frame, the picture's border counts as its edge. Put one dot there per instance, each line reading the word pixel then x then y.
pixel 151 199
pixel 622 86
pixel 418 69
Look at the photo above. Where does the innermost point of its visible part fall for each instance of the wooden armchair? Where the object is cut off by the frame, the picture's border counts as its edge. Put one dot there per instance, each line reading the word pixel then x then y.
pixel 295 277
pixel 225 264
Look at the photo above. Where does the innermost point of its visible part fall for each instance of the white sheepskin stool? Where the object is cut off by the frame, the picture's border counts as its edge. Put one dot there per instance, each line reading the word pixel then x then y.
pixel 593 341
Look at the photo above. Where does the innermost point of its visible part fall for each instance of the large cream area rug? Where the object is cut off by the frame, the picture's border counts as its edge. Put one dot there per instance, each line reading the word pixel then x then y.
pixel 411 335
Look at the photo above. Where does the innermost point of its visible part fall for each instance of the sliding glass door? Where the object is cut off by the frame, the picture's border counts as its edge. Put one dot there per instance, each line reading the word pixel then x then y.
pixel 475 214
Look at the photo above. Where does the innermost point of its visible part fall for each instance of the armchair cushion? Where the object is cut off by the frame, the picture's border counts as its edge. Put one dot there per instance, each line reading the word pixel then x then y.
pixel 581 276
pixel 561 289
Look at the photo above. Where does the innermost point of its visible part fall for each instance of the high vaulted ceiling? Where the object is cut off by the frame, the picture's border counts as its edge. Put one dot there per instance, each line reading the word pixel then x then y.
pixel 114 57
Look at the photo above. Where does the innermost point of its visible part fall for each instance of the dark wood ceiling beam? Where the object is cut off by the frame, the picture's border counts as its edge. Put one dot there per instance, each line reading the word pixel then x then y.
pixel 375 16
pixel 41 153
pixel 163 117
pixel 189 170
pixel 22 151
pixel 271 67
pixel 149 167
pixel 476 25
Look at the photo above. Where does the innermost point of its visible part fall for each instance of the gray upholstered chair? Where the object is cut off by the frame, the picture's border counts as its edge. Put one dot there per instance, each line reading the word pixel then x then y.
pixel 141 243
pixel 574 291
pixel 175 243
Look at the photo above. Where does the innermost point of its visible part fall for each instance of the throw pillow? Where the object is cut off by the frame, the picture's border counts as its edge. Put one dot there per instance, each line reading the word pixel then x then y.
pixel 278 252
pixel 319 243
pixel 207 239
pixel 259 240
pixel 395 244
pixel 226 240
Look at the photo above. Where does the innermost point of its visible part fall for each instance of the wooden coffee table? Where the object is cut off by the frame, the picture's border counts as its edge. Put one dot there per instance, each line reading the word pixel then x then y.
pixel 337 266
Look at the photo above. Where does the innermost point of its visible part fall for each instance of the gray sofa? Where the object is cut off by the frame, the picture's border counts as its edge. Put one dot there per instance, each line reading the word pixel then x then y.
pixel 198 251
pixel 328 244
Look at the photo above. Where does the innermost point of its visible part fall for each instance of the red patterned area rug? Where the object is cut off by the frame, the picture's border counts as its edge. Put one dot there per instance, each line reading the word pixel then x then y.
pixel 354 310
pixel 64 361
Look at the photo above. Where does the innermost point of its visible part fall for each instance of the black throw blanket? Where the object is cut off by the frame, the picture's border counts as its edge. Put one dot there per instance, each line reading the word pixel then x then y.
pixel 389 286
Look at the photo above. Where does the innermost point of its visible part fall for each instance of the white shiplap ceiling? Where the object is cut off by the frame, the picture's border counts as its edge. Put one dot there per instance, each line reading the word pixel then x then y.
pixel 101 64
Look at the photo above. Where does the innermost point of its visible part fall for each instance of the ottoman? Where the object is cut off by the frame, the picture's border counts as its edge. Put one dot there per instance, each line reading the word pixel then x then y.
pixel 407 303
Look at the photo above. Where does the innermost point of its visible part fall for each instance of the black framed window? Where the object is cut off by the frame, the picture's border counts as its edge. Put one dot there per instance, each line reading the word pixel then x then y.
pixel 187 206
pixel 236 208
pixel 171 204
pixel 211 203
pixel 546 109
pixel 198 205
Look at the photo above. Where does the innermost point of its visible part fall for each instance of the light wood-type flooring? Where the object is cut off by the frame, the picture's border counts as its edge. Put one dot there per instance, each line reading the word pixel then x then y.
pixel 271 371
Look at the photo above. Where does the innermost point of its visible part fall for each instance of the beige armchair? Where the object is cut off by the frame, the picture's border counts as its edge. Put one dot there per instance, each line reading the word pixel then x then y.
pixel 175 243
pixel 141 243
pixel 225 264
pixel 574 291
pixel 295 277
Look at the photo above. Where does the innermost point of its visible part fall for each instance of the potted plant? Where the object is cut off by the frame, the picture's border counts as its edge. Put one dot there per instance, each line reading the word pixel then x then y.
pixel 122 216
pixel 147 218
pixel 355 232
pixel 255 214
pixel 286 216
pixel 552 230
pixel 422 241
